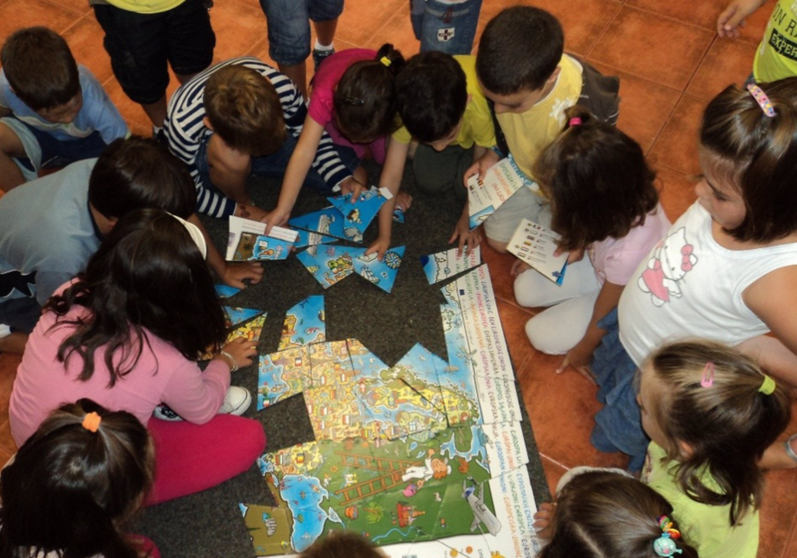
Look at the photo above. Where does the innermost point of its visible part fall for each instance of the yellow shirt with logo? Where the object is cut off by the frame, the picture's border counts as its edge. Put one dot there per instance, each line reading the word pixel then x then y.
pixel 707 528
pixel 477 123
pixel 776 57
pixel 145 6
pixel 529 133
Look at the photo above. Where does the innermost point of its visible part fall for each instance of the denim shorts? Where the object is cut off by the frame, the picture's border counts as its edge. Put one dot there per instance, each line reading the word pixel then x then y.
pixel 288 23
pixel 141 46
pixel 448 28
pixel 21 314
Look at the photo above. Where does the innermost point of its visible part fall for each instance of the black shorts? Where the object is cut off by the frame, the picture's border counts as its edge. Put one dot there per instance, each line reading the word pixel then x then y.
pixel 141 46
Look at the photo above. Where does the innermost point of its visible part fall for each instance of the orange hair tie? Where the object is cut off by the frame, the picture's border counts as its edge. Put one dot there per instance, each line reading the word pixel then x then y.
pixel 91 421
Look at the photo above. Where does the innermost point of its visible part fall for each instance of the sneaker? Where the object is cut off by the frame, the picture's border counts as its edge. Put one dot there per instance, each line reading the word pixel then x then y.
pixel 236 402
pixel 159 134
pixel 5 330
pixel 164 412
pixel 321 55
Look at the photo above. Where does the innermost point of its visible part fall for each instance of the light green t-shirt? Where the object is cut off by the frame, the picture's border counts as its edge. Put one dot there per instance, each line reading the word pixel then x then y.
pixel 776 57
pixel 707 528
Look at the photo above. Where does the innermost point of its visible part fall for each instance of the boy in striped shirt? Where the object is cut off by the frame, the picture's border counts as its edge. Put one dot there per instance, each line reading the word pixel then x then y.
pixel 237 118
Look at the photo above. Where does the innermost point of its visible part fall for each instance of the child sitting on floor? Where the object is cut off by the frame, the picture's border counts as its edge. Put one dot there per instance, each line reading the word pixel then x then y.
pixel 353 101
pixel 72 486
pixel 605 206
pixel 710 413
pixel 127 333
pixel 55 112
pixel 726 269
pixel 605 512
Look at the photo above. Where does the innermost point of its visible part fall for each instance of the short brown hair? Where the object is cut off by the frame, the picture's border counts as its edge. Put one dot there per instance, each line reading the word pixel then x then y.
pixel 342 545
pixel 757 154
pixel 601 513
pixel 364 102
pixel 245 110
pixel 40 68
pixel 598 181
pixel 727 425
pixel 519 49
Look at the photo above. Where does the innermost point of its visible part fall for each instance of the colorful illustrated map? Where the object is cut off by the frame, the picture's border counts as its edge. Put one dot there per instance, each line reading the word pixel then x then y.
pixel 358 215
pixel 443 265
pixel 424 458
pixel 304 324
pixel 330 264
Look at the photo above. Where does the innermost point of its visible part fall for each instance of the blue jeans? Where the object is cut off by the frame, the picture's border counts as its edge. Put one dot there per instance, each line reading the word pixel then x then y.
pixel 288 23
pixel 449 28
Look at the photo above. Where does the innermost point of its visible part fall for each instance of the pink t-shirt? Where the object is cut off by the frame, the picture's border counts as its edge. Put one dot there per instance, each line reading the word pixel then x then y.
pixel 616 259
pixel 162 374
pixel 321 105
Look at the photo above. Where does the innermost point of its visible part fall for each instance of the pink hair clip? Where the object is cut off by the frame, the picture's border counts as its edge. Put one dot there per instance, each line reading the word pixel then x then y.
pixel 762 99
pixel 575 121
pixel 708 375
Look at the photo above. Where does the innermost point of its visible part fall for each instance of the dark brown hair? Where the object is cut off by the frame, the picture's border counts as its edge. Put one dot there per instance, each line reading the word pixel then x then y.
pixel 69 489
pixel 727 426
pixel 245 110
pixel 148 274
pixel 600 514
pixel 40 68
pixel 598 181
pixel 757 154
pixel 432 93
pixel 138 172
pixel 364 101
pixel 339 544
pixel 519 49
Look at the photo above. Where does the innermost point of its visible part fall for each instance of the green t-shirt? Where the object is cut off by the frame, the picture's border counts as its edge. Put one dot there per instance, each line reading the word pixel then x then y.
pixel 776 57
pixel 707 528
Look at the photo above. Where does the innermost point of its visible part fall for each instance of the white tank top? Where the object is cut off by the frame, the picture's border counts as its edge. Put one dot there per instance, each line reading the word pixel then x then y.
pixel 690 286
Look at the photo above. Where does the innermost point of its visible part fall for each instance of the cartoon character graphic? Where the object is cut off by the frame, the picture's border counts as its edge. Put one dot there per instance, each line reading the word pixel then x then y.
pixel 432 468
pixel 672 260
pixel 354 216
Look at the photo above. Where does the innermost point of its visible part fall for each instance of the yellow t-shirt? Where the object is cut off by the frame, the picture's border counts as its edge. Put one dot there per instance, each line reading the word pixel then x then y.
pixel 528 133
pixel 776 57
pixel 145 6
pixel 477 123
pixel 705 527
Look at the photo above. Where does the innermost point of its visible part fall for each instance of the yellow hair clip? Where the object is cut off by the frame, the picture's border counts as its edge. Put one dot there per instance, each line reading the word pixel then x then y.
pixel 386 61
pixel 767 386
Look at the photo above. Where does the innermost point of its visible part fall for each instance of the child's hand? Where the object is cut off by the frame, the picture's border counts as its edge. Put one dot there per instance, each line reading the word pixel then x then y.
pixel 481 165
pixel 543 520
pixel 241 351
pixel 235 273
pixel 579 360
pixel 468 239
pixel 518 267
pixel 249 211
pixel 732 18
pixel 276 218
pixel 573 257
pixel 351 186
pixel 403 200
pixel 379 247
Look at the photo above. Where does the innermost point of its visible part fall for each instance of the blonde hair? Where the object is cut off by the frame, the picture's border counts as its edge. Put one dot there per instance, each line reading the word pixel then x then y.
pixel 245 110
pixel 726 425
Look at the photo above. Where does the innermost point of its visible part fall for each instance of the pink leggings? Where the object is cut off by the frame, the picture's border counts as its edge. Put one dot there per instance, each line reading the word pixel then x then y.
pixel 190 458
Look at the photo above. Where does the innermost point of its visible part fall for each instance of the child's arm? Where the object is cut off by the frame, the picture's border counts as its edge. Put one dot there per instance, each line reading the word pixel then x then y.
pixel 467 237
pixel 732 17
pixel 392 173
pixel 773 299
pixel 232 274
pixel 479 167
pixel 103 115
pixel 580 356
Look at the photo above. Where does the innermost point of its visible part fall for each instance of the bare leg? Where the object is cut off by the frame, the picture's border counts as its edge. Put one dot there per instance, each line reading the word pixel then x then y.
pixel 297 74
pixel 14 343
pixel 325 31
pixel 10 146
pixel 156 111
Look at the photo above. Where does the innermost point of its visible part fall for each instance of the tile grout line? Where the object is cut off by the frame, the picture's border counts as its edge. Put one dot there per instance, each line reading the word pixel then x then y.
pixel 385 24
pixel 554 461
pixel 605 29
pixel 702 59
pixel 670 18
pixel 791 536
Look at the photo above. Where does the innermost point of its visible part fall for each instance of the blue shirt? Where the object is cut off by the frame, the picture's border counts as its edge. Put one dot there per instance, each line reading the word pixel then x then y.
pixel 97 114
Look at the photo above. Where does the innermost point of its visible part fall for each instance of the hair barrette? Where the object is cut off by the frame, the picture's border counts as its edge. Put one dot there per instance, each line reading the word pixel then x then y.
pixel 708 375
pixel 767 386
pixel 386 61
pixel 665 545
pixel 762 99
pixel 575 121
pixel 354 101
pixel 91 421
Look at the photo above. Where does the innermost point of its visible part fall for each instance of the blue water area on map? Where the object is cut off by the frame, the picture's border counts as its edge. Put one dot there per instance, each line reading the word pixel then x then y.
pixel 304 496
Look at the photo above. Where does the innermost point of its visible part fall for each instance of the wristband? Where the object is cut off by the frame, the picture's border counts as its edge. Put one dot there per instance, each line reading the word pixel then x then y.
pixel 229 357
pixel 789 451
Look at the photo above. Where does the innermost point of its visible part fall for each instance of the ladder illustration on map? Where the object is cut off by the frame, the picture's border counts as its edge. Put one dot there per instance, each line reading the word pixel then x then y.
pixel 393 468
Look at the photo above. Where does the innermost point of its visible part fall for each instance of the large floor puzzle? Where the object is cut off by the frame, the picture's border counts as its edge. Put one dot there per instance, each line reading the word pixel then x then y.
pixel 424 458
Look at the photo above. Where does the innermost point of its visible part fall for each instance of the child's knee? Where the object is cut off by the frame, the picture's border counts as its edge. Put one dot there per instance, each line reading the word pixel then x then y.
pixel 497 245
pixel 545 338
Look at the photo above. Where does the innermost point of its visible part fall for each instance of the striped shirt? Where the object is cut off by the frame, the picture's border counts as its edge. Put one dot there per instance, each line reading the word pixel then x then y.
pixel 185 130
